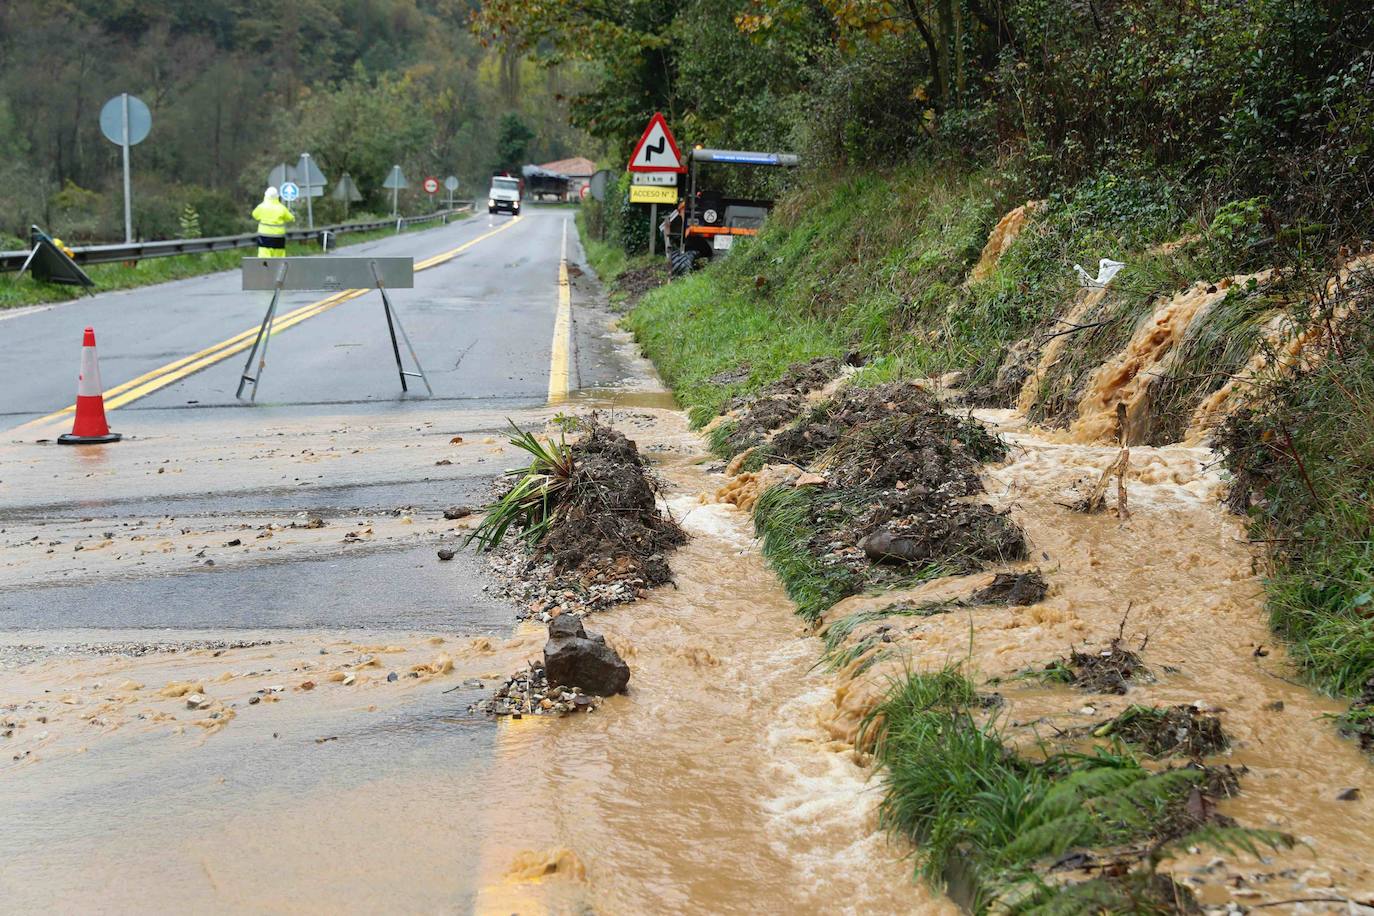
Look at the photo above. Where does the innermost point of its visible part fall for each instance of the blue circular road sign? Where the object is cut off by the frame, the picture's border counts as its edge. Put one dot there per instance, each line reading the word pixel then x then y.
pixel 290 191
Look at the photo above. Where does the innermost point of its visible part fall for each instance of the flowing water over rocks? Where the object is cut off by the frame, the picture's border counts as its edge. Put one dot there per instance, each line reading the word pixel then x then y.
pixel 1181 568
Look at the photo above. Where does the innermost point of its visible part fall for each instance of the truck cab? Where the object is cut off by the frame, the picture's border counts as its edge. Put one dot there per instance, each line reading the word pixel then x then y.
pixel 504 194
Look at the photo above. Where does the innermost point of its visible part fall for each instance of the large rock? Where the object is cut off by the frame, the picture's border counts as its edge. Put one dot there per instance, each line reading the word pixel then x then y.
pixel 574 658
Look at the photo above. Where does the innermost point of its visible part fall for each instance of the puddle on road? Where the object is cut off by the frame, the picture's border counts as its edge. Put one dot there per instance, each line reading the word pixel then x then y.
pixel 711 787
pixel 302 782
pixel 622 399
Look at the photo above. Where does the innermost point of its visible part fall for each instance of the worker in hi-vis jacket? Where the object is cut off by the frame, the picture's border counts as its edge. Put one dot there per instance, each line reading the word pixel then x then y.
pixel 272 217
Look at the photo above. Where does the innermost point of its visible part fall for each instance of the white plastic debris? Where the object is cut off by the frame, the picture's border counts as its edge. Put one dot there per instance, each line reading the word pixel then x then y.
pixel 1106 270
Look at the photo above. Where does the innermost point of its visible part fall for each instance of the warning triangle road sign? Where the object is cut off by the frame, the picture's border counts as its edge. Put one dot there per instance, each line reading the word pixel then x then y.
pixel 656 150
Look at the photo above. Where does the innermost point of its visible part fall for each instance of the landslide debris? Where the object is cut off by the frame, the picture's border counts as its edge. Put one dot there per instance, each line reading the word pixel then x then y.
pixel 575 658
pixel 1183 730
pixel 636 283
pixel 885 497
pixel 608 527
pixel 1108 670
pixel 588 515
pixel 1018 589
pixel 527 692
pixel 1062 829
pixel 749 419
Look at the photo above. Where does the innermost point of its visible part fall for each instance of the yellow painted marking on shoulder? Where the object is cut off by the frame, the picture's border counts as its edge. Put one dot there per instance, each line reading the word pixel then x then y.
pixel 562 324
pixel 499 894
pixel 144 385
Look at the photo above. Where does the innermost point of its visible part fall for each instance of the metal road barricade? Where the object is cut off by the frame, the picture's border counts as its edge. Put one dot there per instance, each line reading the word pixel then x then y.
pixel 336 275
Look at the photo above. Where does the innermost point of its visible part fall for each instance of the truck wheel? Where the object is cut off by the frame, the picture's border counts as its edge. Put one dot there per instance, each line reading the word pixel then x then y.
pixel 683 262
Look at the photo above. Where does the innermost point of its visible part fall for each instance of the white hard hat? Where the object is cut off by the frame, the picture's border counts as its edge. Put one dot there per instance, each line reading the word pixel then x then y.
pixel 270 194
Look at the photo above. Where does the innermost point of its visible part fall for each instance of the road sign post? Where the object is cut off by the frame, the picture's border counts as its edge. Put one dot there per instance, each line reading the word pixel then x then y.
pixel 395 181
pixel 312 183
pixel 347 192
pixel 655 154
pixel 126 120
pixel 451 183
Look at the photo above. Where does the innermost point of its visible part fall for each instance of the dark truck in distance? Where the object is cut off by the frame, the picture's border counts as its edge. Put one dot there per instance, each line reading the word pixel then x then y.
pixel 707 222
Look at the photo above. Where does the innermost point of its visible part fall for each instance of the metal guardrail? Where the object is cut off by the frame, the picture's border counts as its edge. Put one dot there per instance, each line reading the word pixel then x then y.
pixel 138 251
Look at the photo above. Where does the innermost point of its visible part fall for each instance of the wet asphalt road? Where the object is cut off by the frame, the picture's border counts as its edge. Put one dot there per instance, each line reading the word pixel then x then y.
pixel 309 806
pixel 481 324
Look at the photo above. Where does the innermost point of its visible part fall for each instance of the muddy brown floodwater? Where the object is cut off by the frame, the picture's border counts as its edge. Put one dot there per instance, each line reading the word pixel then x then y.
pixel 1183 570
pixel 712 786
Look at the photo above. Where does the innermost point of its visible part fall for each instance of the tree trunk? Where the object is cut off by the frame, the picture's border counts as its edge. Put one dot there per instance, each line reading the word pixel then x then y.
pixel 932 49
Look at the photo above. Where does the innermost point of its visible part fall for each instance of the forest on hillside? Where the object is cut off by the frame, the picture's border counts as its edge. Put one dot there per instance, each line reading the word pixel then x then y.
pixel 1211 101
pixel 1173 103
pixel 236 86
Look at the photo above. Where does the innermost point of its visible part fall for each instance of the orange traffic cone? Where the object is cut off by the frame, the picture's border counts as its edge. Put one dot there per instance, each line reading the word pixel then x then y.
pixel 90 426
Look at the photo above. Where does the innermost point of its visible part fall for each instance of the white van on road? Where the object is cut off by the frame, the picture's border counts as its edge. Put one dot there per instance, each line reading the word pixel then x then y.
pixel 504 194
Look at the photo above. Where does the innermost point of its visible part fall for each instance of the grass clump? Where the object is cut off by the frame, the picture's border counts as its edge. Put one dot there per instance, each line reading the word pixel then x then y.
pixel 536 494
pixel 990 825
pixel 785 520
pixel 844 265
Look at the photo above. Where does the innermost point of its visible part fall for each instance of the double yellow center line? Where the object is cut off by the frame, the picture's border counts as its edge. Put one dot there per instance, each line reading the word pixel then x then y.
pixel 149 382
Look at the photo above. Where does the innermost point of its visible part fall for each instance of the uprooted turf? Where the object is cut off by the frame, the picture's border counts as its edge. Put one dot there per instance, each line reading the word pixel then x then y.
pixel 588 514
pixel 894 509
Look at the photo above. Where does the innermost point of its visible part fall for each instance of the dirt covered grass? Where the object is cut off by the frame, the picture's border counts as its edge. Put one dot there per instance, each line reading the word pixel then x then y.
pixel 1060 830
pixel 1302 460
pixel 887 495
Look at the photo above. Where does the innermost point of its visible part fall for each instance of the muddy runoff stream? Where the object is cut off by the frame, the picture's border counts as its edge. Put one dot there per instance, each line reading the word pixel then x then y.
pixel 1179 571
pixel 712 786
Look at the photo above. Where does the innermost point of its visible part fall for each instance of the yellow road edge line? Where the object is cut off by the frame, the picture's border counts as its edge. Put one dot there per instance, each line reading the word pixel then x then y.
pixel 498 894
pixel 558 358
pixel 149 382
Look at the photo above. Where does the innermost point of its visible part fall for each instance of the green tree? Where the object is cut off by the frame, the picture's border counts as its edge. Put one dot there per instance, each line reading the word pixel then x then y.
pixel 514 141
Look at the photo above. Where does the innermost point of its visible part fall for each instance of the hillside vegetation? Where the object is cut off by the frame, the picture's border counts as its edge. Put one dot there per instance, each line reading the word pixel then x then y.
pixel 236 87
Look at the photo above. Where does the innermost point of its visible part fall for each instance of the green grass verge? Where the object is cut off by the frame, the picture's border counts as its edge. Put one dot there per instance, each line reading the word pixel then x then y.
pixel 1311 457
pixel 27 291
pixel 986 822
pixel 876 262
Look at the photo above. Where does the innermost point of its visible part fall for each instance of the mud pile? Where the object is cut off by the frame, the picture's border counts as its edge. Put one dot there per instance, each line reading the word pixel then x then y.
pixel 609 527
pixel 607 539
pixel 635 284
pixel 750 419
pixel 1182 730
pixel 886 476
